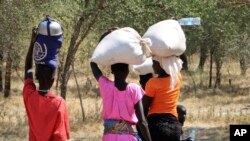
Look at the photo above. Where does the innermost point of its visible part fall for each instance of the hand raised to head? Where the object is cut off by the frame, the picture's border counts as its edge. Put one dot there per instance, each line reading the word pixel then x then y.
pixel 34 34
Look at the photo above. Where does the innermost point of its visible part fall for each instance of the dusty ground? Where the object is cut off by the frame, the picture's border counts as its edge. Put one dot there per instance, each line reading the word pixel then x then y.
pixel 209 123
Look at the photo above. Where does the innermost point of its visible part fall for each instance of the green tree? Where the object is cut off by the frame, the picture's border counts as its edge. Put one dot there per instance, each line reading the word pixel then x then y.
pixel 81 29
pixel 15 32
pixel 9 33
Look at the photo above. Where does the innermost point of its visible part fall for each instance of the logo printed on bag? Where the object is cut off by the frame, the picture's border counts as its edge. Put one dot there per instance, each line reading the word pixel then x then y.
pixel 40 52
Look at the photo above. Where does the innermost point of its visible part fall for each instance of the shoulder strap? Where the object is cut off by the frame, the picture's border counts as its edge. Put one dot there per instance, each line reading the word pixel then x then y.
pixel 48 23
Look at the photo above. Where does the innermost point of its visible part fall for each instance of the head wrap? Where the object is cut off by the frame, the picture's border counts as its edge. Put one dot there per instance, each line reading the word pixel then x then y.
pixel 172 66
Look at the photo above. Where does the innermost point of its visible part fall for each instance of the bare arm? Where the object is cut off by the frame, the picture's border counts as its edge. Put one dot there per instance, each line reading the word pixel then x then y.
pixel 28 61
pixel 95 70
pixel 143 125
pixel 146 100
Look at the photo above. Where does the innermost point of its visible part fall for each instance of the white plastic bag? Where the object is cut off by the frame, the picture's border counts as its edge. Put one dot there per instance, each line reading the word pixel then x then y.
pixel 144 68
pixel 167 38
pixel 123 45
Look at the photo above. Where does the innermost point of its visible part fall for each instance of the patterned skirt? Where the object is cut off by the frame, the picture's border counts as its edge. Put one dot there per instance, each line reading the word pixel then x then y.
pixel 120 127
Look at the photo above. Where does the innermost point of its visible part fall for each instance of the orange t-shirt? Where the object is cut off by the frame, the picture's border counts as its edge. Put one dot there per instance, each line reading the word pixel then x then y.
pixel 164 98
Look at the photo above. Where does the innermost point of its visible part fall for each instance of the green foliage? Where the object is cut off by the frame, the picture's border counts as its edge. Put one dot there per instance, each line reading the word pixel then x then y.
pixel 23 15
pixel 224 27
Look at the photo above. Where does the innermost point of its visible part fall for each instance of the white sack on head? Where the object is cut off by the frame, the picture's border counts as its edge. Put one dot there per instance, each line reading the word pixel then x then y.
pixel 172 66
pixel 123 45
pixel 144 68
pixel 167 38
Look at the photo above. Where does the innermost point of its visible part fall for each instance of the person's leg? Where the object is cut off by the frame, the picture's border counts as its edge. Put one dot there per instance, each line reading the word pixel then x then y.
pixel 155 132
pixel 170 131
pixel 153 128
pixel 139 132
pixel 164 127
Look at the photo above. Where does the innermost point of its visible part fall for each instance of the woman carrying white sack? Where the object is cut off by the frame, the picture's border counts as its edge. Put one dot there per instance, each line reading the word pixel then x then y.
pixel 123 45
pixel 145 72
pixel 162 92
pixel 122 101
pixel 168 42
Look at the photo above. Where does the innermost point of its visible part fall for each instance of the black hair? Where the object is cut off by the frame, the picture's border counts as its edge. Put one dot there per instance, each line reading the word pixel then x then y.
pixel 107 32
pixel 181 110
pixel 120 72
pixel 174 18
pixel 158 69
pixel 144 79
pixel 119 67
pixel 44 74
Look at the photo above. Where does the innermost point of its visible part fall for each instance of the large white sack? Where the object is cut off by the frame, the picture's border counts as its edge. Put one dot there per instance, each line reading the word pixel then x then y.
pixel 167 38
pixel 144 68
pixel 123 45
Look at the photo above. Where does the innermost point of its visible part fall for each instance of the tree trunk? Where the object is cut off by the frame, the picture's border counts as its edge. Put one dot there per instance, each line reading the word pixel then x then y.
pixel 218 63
pixel 219 54
pixel 233 4
pixel 7 84
pixel 184 59
pixel 203 57
pixel 70 57
pixel 79 94
pixel 243 65
pixel 79 34
pixel 1 70
pixel 210 70
pixel 59 70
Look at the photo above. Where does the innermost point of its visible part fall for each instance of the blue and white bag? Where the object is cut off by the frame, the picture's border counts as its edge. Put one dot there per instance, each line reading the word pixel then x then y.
pixel 48 42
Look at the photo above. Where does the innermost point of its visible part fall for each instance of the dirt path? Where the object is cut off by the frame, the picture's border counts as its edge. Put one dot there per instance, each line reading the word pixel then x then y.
pixel 209 134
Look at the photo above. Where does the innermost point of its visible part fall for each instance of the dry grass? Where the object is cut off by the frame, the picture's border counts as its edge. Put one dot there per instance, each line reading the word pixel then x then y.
pixel 210 111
